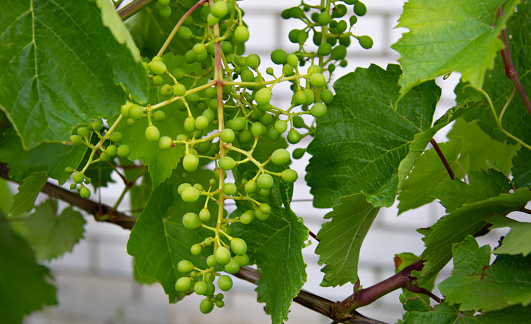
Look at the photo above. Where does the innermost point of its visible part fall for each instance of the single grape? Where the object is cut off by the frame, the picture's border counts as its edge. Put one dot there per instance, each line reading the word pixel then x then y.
pixel 315 69
pixel 327 96
pixel 210 286
pixel 299 97
pixel 263 96
pixel 219 303
pixel 260 216
pixel 79 177
pixel 124 110
pixel 159 115
pixel 201 122
pixel 239 246
pixel 353 20
pixel 190 195
pixel 247 217
pixel 116 136
pixel 280 157
pixel 76 140
pixel 281 126
pixel 206 306
pixel 183 186
pixel 136 112
pixel 166 90
pixel 157 80
pixel 264 208
pixel 317 80
pixel 365 41
pixel 360 9
pixel 318 110
pixel 222 255
pixel 105 157
pixel 242 260
pixel 339 52
pixel 292 60
pixel 289 175
pixel 229 188
pixel 97 126
pixel 294 137
pixel 185 32
pixel 183 284
pixel 341 26
pixel 84 192
pixel 152 133
pixel 196 249
pixel 191 221
pixel 279 56
pixel 158 67
pixel 298 122
pixel 165 11
pixel 238 123
pixel 273 134
pixel 324 18
pixel 324 49
pixel 252 61
pixel 251 186
pixel 179 89
pixel 200 287
pixel 225 283
pixel 265 181
pixel 227 135
pixel 123 151
pixel 211 261
pixel 258 129
pixel 189 124
pixel 232 267
pixel 226 163
pixel 219 9
pixel 245 136
pixel 241 34
pixel 298 153
pixel 163 2
pixel 165 143
pixel 83 131
pixel 185 266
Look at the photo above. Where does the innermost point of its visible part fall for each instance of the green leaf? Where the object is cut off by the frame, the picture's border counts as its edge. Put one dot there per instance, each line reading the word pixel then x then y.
pixel 441 314
pixel 141 280
pixel 341 239
pixel 516 119
pixel 24 199
pixel 50 235
pixel 276 245
pixel 483 148
pixel 362 140
pixel 6 197
pixel 476 286
pixel 483 185
pixel 429 171
pixel 51 158
pixel 463 221
pixel 513 314
pixel 158 241
pixel 442 37
pixel 522 168
pixel 61 65
pixel 518 240
pixel 25 286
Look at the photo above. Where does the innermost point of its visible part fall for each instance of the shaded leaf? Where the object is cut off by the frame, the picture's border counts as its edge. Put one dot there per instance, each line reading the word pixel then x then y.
pixel 522 168
pixel 24 199
pixel 518 240
pixel 441 314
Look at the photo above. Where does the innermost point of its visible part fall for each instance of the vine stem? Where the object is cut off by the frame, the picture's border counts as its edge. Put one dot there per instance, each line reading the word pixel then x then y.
pixel 443 158
pixel 132 8
pixel 510 70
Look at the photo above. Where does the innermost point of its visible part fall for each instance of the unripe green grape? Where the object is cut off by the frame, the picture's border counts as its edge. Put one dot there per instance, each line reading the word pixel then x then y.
pixel 159 115
pixel 211 261
pixel 339 52
pixel 252 61
pixel 270 71
pixel 360 9
pixel 157 67
pixel 247 217
pixel 136 112
pixel 204 215
pixel 279 56
pixel 111 150
pixel 317 80
pixel 293 35
pixel 206 306
pixel 293 60
pixel 226 47
pixel 202 57
pixel 264 181
pixel 227 135
pixel 201 123
pixel 225 283
pixel 339 11
pixel 83 131
pixel 190 57
pixel 315 69
pixel 191 221
pixel 166 90
pixel 123 151
pixel 294 137
pixel 152 133
pixel 264 193
pixel 84 192
pixel 247 76
pixel 195 249
pixel 190 195
pixel 241 34
pixel 298 153
pixel 97 126
pixel 219 303
pixel 200 287
pixel 327 96
pixel 76 140
pixel 265 208
pixel 219 9
pixel 157 80
pixel 257 129
pixel 210 286
pixel 263 108
pixel 198 186
pixel 324 49
pixel 266 119
pixel 324 18
pixel 272 134
pixel 281 126
pixel 78 177
pixel 189 124
pixel 222 255
pixel 242 260
pixel 299 97
pixel 184 32
pixel 261 216
pixel 183 284
pixel 353 20
pixel 318 110
pixel 183 186
pixel 288 70
pixel 165 143
pixel 124 110
pixel 185 266
pixel 209 114
pixel 289 175
pixel 345 40
pixel 129 122
pixel 341 26
pixel 245 136
pixel 179 89
pixel 280 157
pixel 232 267
pixel 226 163
pixel 198 48
pixel 229 188
pixel 296 12
pixel 165 11
pixel 190 162
pixel 116 136
pixel 365 41
pixel 262 96
pixel 238 246
pixel 238 123
pixel 251 186
pixel 163 2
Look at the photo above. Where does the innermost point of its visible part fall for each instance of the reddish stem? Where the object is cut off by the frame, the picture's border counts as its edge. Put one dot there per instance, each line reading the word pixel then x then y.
pixel 443 159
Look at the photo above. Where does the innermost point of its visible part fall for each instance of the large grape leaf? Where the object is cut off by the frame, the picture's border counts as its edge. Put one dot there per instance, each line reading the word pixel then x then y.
pixel 477 286
pixel 483 148
pixel 518 240
pixel 61 67
pixel 24 199
pixel 53 235
pixel 522 168
pixel 51 158
pixel 362 140
pixel 25 286
pixel 276 245
pixel 463 221
pixel 341 239
pixel 158 241
pixel 429 171
pixel 445 37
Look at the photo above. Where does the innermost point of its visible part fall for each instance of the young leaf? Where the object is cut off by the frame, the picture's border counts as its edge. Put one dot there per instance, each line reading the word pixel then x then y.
pixel 58 56
pixel 476 286
pixel 518 240
pixel 25 285
pixel 24 199
pixel 50 235
pixel 434 47
pixel 429 171
pixel 51 158
pixel 362 140
pixel 341 239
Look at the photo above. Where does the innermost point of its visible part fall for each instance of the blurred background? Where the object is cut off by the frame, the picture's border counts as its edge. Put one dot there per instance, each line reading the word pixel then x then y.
pixel 96 284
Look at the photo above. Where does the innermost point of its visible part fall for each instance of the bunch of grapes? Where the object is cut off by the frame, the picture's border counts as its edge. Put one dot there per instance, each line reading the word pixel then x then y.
pixel 227 117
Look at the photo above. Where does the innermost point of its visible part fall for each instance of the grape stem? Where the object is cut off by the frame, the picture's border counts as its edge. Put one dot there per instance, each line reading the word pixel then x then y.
pixel 132 8
pixel 443 159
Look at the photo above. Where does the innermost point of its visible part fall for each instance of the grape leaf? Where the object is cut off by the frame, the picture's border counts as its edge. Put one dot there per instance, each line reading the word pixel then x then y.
pixel 160 163
pixel 7 197
pixel 51 158
pixel 516 119
pixel 158 241
pixel 483 148
pixel 518 240
pixel 514 315
pixel 477 286
pixel 50 235
pixel 429 171
pixel 463 221
pixel 276 246
pixel 25 286
pixel 522 168
pixel 483 185
pixel 61 68
pixel 442 37
pixel 362 140
pixel 341 239
pixel 24 199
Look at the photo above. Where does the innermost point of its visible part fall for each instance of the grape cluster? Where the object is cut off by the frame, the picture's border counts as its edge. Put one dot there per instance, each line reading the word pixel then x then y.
pixel 228 115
